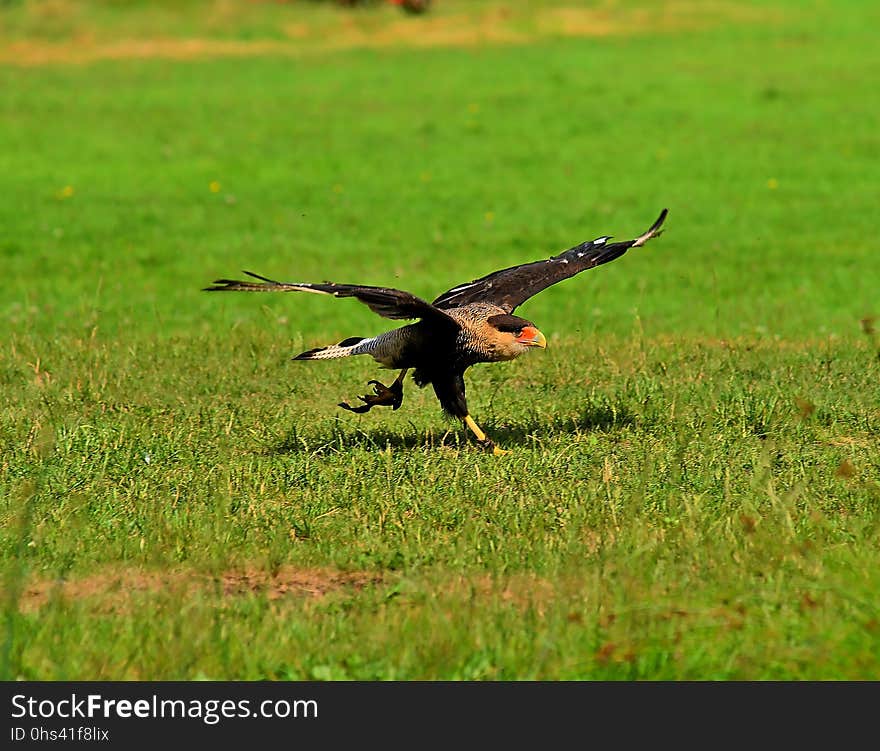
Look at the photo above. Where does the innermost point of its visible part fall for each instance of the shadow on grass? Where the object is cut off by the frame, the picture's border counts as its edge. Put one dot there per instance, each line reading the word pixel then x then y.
pixel 596 418
pixel 606 417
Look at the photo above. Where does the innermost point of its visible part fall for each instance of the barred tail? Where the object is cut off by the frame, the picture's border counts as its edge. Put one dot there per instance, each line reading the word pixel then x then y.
pixel 354 345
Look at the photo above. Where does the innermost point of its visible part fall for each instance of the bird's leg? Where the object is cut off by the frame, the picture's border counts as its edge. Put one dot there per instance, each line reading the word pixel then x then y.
pixel 382 396
pixel 482 438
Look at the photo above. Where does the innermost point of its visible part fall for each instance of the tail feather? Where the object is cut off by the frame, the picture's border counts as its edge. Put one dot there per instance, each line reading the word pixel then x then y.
pixel 354 345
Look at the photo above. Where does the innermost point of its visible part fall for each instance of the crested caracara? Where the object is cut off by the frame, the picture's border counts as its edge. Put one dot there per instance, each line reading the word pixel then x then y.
pixel 466 325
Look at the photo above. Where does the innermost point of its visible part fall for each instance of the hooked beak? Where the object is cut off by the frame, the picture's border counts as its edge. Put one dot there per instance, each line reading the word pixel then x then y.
pixel 531 337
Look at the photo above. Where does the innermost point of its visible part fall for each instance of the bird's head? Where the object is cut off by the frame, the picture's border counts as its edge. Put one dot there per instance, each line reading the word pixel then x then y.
pixel 514 335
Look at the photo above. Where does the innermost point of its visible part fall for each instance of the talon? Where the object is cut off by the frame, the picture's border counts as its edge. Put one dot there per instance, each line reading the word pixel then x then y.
pixel 396 394
pixel 489 445
pixel 361 408
pixel 382 396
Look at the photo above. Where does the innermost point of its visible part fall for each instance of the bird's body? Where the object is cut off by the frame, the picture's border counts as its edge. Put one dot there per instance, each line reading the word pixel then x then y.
pixel 466 325
pixel 418 345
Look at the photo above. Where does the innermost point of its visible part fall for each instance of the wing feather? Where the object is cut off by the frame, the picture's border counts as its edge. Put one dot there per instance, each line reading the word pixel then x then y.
pixel 509 288
pixel 384 301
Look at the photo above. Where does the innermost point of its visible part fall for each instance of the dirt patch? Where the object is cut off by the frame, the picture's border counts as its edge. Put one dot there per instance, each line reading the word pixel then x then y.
pixel 446 31
pixel 494 26
pixel 292 581
pixel 114 591
pixel 612 20
pixel 30 53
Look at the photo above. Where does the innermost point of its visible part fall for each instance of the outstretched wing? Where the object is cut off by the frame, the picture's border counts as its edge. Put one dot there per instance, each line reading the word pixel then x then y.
pixel 387 302
pixel 511 287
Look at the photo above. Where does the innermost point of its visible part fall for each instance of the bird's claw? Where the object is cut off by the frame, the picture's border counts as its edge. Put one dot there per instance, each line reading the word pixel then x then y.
pixel 489 445
pixel 382 396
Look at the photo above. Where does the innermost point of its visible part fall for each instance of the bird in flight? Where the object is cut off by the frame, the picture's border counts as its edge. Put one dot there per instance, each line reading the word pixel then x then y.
pixel 468 324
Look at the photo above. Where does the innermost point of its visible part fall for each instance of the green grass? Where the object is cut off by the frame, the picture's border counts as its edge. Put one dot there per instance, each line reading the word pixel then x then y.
pixel 693 486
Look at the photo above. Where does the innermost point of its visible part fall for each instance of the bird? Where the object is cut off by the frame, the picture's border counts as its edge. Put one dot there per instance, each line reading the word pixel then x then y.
pixel 468 324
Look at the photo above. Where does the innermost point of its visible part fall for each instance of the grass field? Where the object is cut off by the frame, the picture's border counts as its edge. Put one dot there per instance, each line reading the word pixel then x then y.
pixel 693 488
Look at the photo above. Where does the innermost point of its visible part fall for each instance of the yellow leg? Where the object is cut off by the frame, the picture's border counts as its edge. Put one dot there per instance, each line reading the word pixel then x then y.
pixel 482 438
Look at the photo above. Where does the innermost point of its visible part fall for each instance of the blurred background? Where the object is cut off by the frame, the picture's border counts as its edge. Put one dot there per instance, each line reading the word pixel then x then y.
pixel 692 490
pixel 167 143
